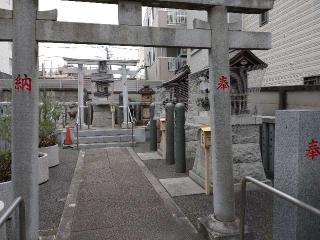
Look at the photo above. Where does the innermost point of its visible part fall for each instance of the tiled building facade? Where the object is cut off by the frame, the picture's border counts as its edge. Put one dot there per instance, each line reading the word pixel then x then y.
pixel 295 53
pixel 294 57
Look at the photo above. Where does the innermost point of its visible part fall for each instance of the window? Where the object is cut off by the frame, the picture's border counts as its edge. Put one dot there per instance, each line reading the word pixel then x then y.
pixel 172 64
pixel 314 80
pixel 176 63
pixel 181 17
pixel 171 18
pixel 182 52
pixel 149 58
pixel 175 17
pixel 264 18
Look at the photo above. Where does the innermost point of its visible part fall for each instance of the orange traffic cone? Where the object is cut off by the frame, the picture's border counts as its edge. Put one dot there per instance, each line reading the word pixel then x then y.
pixel 68 140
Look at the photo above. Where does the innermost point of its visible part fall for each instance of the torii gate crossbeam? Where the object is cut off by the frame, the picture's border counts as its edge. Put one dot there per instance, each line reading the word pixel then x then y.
pixel 235 6
pixel 25 26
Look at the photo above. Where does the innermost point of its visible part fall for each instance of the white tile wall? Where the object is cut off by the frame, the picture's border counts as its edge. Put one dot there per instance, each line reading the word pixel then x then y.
pixel 295 54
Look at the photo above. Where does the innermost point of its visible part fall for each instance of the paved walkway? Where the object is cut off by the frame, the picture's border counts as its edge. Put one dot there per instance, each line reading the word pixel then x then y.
pixel 116 201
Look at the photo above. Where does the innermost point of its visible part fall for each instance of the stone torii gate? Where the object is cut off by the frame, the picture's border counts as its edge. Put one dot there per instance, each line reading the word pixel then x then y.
pixel 124 79
pixel 26 27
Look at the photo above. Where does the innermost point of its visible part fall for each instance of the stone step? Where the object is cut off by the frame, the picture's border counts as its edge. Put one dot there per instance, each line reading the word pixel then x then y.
pixel 105 145
pixel 107 132
pixel 105 139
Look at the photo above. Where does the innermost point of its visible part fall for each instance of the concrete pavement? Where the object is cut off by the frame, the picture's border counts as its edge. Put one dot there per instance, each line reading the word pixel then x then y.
pixel 117 200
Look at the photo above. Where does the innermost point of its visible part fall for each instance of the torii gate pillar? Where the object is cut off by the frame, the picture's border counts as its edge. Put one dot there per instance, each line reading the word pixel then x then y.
pixel 80 93
pixel 125 95
pixel 219 74
pixel 25 104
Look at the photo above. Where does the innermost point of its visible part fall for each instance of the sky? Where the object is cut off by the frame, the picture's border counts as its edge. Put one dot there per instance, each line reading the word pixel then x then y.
pixel 51 53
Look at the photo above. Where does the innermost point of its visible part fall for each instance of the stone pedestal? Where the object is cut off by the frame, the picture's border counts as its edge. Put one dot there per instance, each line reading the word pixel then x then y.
pixel 102 116
pixel 245 150
pixel 297 173
pixel 213 229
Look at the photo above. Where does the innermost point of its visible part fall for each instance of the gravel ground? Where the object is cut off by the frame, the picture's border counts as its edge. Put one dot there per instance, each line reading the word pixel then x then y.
pixel 259 203
pixel 53 194
pixel 258 214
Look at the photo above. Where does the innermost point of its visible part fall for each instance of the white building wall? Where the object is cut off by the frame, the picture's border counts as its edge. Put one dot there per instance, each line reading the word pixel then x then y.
pixel 6 47
pixel 295 54
pixel 156 59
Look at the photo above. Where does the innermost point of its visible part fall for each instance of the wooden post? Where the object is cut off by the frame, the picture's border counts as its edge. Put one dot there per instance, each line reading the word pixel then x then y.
pixel 206 144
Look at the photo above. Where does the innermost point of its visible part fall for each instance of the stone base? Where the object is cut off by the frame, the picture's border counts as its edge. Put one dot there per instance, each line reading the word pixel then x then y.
pixel 237 186
pixel 213 229
pixel 102 116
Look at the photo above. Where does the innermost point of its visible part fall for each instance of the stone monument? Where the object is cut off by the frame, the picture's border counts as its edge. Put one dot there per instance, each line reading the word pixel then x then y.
pixel 297 173
pixel 102 116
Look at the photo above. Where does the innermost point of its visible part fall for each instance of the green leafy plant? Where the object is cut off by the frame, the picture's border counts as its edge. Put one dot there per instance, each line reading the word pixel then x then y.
pixel 5 126
pixel 5 154
pixel 49 113
pixel 5 166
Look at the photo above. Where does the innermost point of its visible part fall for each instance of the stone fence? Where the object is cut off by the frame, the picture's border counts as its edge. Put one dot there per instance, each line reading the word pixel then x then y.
pixel 270 99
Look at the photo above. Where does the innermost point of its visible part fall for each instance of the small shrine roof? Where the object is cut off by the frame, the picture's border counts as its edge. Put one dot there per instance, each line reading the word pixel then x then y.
pixel 146 90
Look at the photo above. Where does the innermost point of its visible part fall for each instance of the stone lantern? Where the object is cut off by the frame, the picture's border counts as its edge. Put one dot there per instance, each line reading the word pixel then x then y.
pixel 146 99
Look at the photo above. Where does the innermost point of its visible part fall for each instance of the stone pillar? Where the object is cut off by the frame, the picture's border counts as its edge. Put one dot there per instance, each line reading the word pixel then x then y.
pixel 170 133
pixel 125 95
pixel 80 92
pixel 220 106
pixel 25 109
pixel 180 138
pixel 153 129
pixel 297 173
pixel 120 110
pixel 138 112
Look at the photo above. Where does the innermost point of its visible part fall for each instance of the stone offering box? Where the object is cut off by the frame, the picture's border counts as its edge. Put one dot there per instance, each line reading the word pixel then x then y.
pixel 206 137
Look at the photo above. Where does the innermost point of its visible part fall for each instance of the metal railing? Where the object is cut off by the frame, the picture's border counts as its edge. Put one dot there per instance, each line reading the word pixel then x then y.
pixel 133 121
pixel 130 119
pixel 77 126
pixel 280 194
pixel 22 221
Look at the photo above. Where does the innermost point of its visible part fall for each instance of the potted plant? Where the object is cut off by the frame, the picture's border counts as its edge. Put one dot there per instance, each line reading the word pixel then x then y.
pixel 6 186
pixel 5 159
pixel 43 175
pixel 49 113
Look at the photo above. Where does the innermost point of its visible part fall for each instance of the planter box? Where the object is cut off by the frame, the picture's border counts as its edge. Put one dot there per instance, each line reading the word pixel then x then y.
pixel 43 168
pixel 53 154
pixel 6 199
pixel 6 195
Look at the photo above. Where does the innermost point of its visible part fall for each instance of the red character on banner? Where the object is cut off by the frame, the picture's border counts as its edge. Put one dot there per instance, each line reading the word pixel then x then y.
pixel 23 83
pixel 313 150
pixel 223 83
